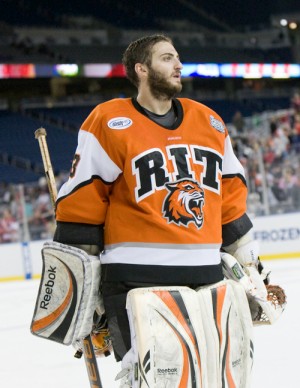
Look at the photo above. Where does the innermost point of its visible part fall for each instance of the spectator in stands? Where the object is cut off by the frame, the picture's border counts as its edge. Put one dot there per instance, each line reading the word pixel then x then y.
pixel 6 193
pixel 255 179
pixel 295 192
pixel 9 227
pixel 295 102
pixel 273 127
pixel 295 139
pixel 37 224
pixel 269 154
pixel 277 191
pixel 286 184
pixel 40 223
pixel 280 144
pixel 43 200
pixel 238 122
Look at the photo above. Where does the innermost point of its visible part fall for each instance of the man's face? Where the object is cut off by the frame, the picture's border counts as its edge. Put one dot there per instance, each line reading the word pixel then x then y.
pixel 164 73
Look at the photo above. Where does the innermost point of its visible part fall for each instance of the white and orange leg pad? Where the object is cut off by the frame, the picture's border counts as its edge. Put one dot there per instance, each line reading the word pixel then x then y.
pixel 68 294
pixel 183 338
pixel 167 337
pixel 227 323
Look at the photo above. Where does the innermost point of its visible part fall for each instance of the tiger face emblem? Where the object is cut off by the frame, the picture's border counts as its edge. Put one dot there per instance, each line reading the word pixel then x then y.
pixel 184 203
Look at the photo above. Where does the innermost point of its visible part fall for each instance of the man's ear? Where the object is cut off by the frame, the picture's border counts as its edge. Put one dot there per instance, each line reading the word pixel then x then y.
pixel 141 69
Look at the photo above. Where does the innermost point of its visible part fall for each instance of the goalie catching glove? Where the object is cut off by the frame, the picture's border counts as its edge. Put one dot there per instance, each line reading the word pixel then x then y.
pixel 68 299
pixel 242 264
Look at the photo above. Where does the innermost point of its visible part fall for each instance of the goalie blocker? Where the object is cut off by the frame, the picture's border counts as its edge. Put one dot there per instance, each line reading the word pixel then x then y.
pixel 68 295
pixel 186 338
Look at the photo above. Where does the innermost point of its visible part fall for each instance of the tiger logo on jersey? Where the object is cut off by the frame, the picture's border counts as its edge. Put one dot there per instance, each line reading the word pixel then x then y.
pixel 184 203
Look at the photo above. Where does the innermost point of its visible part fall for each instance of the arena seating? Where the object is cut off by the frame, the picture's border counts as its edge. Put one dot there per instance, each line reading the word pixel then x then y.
pixel 18 142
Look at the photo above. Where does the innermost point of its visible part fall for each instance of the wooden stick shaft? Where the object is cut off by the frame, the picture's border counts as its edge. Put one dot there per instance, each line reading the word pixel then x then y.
pixel 40 135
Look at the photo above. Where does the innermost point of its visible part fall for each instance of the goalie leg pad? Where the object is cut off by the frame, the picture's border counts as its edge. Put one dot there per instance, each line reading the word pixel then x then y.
pixel 167 337
pixel 186 338
pixel 68 294
pixel 227 320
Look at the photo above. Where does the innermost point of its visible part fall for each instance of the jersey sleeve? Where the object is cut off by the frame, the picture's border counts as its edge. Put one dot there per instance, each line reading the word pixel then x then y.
pixel 235 221
pixel 82 200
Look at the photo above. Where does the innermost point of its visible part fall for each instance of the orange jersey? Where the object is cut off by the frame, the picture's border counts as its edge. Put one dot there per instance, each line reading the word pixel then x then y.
pixel 161 193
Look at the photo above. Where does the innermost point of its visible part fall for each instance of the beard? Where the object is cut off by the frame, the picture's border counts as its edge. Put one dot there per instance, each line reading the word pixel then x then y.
pixel 160 87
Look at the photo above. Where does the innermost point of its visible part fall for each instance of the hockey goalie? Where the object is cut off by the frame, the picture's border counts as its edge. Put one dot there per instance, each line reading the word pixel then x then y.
pixel 154 239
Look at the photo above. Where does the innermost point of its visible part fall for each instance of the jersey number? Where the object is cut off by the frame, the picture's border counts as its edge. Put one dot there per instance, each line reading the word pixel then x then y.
pixel 75 162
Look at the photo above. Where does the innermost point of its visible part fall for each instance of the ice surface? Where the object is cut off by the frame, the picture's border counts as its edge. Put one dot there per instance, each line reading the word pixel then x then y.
pixel 30 362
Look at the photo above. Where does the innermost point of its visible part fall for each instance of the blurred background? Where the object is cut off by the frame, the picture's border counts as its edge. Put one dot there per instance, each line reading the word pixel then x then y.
pixel 58 60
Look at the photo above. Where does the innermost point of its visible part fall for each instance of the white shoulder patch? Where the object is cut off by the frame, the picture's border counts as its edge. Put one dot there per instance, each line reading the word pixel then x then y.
pixel 119 123
pixel 217 124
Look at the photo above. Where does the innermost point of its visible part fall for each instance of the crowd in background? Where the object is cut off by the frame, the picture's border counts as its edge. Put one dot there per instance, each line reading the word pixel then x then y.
pixel 268 146
pixel 26 211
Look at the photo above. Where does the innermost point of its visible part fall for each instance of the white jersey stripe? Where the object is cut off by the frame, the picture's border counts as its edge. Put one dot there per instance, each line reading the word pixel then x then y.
pixel 231 165
pixel 162 255
pixel 94 161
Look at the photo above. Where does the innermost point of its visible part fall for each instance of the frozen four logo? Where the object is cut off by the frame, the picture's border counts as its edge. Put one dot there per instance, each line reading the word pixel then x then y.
pixel 217 124
pixel 119 123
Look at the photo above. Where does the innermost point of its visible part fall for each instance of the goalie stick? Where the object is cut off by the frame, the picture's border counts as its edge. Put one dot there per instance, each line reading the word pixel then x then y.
pixel 88 349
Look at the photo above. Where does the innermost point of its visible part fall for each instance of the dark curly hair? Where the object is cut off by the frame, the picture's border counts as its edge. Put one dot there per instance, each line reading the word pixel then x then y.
pixel 139 51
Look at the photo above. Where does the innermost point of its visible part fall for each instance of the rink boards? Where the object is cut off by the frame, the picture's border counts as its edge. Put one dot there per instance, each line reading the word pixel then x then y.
pixel 279 237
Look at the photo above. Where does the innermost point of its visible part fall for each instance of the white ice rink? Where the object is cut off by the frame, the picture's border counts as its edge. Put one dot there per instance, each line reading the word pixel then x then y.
pixel 29 362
